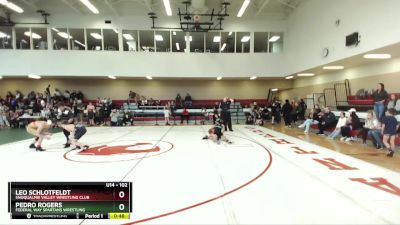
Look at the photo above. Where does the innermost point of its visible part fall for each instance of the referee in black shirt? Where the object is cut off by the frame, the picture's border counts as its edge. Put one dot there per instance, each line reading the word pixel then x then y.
pixel 226 112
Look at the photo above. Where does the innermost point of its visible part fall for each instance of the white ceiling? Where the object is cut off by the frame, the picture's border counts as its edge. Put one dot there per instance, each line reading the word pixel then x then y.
pixel 271 9
pixel 357 60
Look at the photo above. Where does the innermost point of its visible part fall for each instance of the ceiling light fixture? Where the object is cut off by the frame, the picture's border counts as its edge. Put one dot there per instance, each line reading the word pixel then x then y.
pixel 333 67
pixel 128 37
pixel 274 89
pixel 80 43
pixel 219 78
pixel 11 6
pixel 377 56
pixel 55 29
pixel 305 74
pixel 158 37
pixel 32 76
pixel 173 33
pixel 274 38
pixel 3 35
pixel 64 35
pixel 96 36
pixel 289 77
pixel 1 77
pixel 112 77
pixel 217 39
pixel 253 78
pixel 34 35
pixel 245 38
pixel 149 78
pixel 223 47
pixel 230 33
pixel 243 8
pixel 167 6
pixel 90 6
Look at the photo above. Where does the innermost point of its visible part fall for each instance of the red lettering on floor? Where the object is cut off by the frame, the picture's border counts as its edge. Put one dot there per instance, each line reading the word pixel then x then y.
pixel 281 141
pixel 380 183
pixel 332 164
pixel 302 151
pixel 269 136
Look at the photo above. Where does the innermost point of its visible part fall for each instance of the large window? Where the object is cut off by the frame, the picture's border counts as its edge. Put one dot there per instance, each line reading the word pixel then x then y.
pixel 146 40
pixel 6 38
pixel 276 42
pixel 94 39
pixel 23 38
pixel 196 41
pixel 77 40
pixel 130 40
pixel 213 40
pixel 228 42
pixel 162 41
pixel 60 38
pixel 39 38
pixel 110 39
pixel 243 42
pixel 178 41
pixel 261 41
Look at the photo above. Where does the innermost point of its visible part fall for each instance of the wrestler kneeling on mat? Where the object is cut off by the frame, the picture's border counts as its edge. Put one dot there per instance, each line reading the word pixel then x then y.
pixel 39 129
pixel 215 134
pixel 76 132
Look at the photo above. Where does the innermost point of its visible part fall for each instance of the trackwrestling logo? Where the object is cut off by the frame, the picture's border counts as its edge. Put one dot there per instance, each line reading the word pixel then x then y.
pixel 119 151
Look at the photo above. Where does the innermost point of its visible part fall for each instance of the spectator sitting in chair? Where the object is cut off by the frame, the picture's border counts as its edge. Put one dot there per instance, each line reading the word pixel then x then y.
pixel 353 123
pixel 114 117
pixel 328 120
pixel 371 123
pixel 127 118
pixel 394 103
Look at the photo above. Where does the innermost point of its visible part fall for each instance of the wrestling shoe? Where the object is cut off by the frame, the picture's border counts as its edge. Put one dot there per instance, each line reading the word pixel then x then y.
pixel 39 148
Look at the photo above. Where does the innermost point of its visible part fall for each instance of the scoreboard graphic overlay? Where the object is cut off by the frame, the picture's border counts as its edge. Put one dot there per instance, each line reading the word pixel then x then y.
pixel 70 200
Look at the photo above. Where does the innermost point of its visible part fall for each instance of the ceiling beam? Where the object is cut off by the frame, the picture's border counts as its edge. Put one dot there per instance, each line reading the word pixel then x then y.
pixel 265 3
pixel 287 4
pixel 68 3
pixel 108 3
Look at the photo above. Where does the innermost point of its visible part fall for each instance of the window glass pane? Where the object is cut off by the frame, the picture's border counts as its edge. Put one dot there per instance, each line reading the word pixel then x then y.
pixel 22 38
pixel 228 42
pixel 162 41
pixel 5 38
pixel 77 39
pixel 94 39
pixel 130 40
pixel 146 40
pixel 276 42
pixel 212 41
pixel 110 40
pixel 243 42
pixel 260 41
pixel 178 41
pixel 39 37
pixel 197 42
pixel 60 38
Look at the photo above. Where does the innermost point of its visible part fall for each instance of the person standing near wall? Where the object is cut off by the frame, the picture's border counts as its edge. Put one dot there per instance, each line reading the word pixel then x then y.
pixel 286 112
pixel 380 95
pixel 225 106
